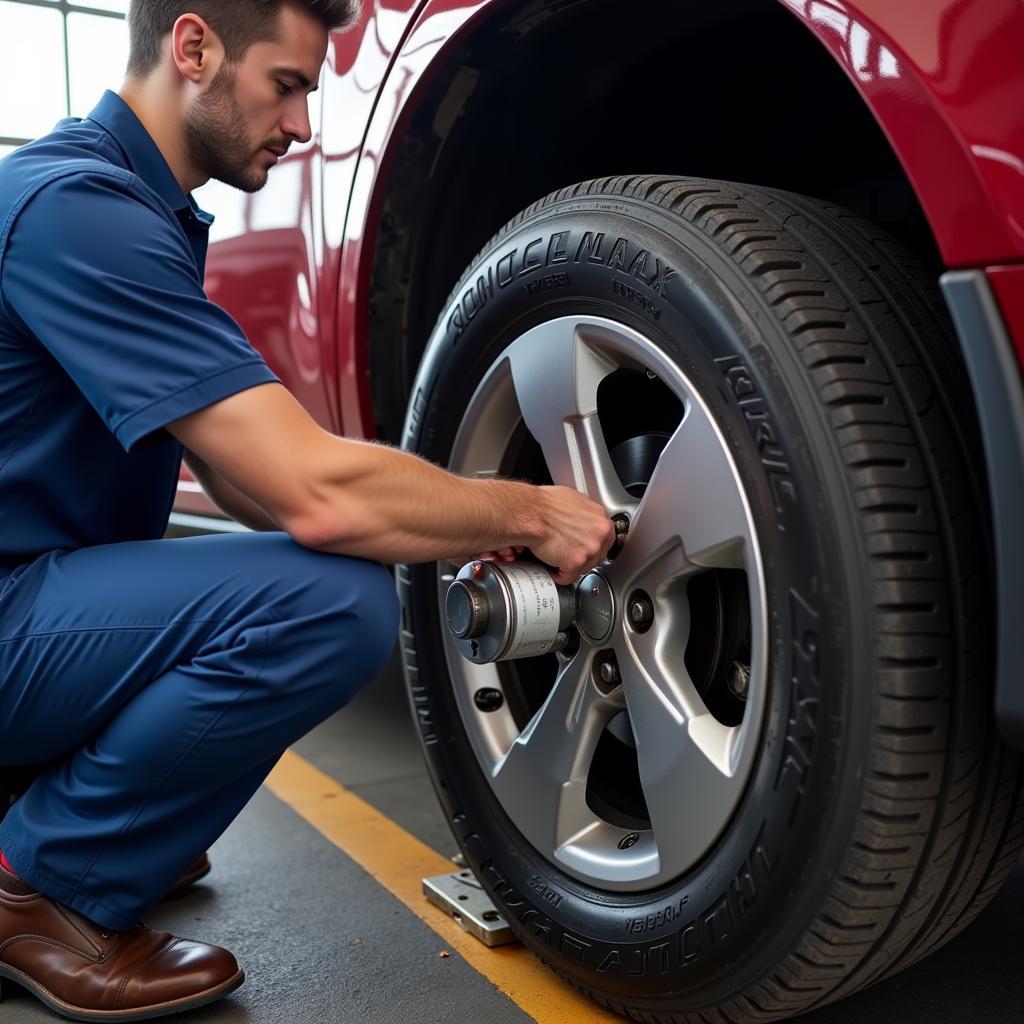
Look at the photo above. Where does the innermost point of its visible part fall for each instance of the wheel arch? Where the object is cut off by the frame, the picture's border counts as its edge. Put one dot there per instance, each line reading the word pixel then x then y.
pixel 509 111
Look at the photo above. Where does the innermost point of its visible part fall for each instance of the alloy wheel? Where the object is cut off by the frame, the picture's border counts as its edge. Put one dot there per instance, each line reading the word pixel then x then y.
pixel 624 777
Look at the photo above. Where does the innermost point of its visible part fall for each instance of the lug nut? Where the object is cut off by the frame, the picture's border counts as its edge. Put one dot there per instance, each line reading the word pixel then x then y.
pixel 739 679
pixel 641 612
pixel 621 523
pixel 608 670
pixel 567 644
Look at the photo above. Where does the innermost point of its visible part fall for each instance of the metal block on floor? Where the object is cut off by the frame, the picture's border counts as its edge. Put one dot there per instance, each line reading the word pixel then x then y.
pixel 462 897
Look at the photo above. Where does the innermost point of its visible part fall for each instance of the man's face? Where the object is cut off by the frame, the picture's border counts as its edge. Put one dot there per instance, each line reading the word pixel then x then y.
pixel 257 105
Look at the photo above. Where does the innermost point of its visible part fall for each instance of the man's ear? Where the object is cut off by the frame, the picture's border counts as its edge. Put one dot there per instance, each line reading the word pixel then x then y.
pixel 196 49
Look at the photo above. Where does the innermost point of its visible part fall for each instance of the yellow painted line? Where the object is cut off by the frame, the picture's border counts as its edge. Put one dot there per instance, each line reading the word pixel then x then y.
pixel 399 862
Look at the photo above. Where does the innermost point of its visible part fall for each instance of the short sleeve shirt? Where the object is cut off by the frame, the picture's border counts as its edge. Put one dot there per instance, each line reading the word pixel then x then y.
pixel 106 335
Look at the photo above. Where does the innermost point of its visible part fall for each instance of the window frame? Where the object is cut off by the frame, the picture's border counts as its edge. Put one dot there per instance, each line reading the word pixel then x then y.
pixel 65 7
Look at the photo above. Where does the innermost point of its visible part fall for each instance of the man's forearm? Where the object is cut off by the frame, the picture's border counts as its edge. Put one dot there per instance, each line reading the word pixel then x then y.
pixel 367 499
pixel 382 503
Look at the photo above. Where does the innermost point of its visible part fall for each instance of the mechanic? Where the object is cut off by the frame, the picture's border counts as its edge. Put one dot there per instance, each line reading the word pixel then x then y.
pixel 159 680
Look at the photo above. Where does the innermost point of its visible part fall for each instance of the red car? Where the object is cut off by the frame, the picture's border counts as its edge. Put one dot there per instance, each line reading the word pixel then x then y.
pixel 750 273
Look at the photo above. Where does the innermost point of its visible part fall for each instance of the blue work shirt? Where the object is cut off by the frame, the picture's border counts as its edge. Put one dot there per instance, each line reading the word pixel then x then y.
pixel 106 335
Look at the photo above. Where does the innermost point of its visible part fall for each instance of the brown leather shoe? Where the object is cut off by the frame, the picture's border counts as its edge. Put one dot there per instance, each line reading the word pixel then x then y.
pixel 198 870
pixel 89 974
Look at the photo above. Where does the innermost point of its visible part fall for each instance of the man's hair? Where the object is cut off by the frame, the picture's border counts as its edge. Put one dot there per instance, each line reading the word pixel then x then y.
pixel 238 23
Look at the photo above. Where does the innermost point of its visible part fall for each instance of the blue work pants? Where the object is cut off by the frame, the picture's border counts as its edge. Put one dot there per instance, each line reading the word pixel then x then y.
pixel 163 680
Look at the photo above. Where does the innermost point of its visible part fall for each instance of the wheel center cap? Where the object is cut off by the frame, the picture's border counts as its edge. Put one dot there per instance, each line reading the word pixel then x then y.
pixel 595 605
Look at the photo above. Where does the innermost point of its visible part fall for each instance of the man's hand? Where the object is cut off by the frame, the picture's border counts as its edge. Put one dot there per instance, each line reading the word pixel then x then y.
pixel 579 533
pixel 579 536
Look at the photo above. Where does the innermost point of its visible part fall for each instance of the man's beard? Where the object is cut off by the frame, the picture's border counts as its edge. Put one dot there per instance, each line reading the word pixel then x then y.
pixel 216 139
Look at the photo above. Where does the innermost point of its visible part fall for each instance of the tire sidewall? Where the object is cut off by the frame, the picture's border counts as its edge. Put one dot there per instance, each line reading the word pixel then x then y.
pixel 725 922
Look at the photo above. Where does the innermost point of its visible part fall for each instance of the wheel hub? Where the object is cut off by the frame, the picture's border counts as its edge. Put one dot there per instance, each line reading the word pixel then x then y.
pixel 595 607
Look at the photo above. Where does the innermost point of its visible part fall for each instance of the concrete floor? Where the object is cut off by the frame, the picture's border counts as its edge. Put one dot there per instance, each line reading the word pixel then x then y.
pixel 322 942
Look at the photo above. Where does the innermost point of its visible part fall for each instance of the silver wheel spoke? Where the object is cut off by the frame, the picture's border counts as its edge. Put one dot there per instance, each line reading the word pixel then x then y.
pixel 685 756
pixel 693 503
pixel 556 374
pixel 542 780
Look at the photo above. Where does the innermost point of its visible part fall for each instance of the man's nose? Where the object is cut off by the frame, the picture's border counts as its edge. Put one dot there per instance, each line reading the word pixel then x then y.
pixel 296 125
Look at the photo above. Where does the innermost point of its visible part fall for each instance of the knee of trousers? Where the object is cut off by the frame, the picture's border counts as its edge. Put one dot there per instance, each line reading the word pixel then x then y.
pixel 338 635
pixel 373 612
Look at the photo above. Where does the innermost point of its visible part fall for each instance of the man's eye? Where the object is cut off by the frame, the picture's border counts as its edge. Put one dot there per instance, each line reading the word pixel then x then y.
pixel 283 88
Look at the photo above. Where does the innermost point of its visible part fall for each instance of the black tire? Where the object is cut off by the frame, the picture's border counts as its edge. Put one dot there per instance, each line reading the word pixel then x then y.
pixel 883 812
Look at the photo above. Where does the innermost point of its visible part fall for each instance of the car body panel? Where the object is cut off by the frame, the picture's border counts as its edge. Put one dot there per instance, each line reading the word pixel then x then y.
pixel 1008 284
pixel 434 28
pixel 944 79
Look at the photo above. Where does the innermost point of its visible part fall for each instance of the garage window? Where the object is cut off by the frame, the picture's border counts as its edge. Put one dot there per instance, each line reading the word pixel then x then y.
pixel 58 59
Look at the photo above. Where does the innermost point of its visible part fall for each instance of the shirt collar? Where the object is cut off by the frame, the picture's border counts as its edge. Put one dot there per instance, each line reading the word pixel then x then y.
pixel 142 153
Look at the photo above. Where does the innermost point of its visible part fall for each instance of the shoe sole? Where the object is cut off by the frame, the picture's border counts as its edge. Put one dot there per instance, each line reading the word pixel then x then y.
pixel 187 880
pixel 148 1013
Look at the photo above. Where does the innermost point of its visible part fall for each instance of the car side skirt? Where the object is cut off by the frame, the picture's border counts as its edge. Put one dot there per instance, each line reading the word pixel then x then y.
pixel 996 383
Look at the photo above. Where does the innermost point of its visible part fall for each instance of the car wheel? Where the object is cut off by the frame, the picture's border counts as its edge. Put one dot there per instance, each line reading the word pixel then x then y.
pixel 777 779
